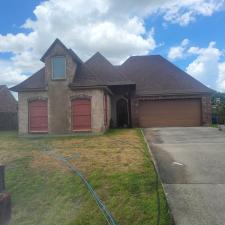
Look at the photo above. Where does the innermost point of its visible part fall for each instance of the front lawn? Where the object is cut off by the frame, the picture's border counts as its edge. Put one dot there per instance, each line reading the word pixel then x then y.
pixel 116 164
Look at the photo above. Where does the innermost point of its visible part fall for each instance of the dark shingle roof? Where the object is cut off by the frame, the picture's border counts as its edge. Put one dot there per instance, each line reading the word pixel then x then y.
pixel 1 86
pixel 7 101
pixel 34 82
pixel 99 71
pixel 75 56
pixel 153 75
pixel 156 75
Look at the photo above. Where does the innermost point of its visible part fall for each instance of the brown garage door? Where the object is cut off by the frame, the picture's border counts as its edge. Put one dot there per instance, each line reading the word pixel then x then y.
pixel 162 113
pixel 81 115
pixel 38 116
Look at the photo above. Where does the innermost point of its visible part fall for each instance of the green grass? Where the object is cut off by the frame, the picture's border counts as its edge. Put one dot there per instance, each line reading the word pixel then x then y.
pixel 116 164
pixel 214 125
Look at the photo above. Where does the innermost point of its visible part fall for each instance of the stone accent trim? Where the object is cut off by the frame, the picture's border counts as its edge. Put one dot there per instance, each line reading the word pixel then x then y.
pixel 80 96
pixel 36 98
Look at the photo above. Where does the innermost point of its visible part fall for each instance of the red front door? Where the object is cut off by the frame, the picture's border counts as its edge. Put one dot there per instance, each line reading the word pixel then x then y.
pixel 81 115
pixel 38 116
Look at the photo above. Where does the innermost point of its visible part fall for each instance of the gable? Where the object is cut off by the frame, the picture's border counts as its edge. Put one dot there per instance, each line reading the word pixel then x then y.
pixel 58 44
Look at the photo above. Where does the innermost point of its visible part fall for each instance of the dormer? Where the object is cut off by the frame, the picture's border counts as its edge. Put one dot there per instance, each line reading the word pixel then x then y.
pixel 60 63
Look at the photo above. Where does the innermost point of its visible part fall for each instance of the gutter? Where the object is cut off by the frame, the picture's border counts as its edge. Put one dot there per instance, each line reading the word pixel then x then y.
pixel 27 90
pixel 165 94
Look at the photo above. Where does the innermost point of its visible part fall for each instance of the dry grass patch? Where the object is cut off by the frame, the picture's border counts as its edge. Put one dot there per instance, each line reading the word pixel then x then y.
pixel 116 164
pixel 108 153
pixel 47 162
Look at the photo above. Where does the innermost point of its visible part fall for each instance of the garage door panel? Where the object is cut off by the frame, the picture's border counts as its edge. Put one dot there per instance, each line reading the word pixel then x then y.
pixel 160 113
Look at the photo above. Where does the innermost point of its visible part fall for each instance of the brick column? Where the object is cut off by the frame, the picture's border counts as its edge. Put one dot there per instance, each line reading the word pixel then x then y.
pixel 206 110
pixel 134 111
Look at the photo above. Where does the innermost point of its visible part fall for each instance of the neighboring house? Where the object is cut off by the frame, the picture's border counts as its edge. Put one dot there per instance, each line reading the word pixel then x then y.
pixel 68 95
pixel 8 109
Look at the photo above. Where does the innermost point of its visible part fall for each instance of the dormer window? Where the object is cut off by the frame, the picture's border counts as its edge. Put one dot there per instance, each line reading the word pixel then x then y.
pixel 58 68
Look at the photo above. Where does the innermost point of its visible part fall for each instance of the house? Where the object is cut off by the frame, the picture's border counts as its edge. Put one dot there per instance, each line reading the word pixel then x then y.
pixel 8 109
pixel 68 95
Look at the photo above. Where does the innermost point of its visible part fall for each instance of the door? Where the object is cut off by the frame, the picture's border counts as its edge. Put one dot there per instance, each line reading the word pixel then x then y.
pixel 122 113
pixel 163 113
pixel 38 116
pixel 81 115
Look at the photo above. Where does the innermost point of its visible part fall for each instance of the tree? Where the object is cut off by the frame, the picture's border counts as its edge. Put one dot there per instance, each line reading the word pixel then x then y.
pixel 218 107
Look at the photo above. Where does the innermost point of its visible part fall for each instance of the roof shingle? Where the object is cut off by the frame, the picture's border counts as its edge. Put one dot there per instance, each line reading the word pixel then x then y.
pixel 99 71
pixel 154 75
pixel 34 82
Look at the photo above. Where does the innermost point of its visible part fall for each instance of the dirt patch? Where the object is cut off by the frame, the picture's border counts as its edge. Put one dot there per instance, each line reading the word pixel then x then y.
pixel 45 161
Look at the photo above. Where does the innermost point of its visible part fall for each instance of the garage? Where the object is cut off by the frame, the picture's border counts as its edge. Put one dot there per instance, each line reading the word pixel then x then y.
pixel 174 112
pixel 81 115
pixel 38 116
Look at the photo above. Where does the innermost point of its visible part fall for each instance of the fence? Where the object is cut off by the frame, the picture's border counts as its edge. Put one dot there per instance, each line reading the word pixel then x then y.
pixel 8 121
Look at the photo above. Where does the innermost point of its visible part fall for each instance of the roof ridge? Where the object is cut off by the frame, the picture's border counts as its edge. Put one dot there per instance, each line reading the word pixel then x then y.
pixel 56 41
pixel 75 56
pixel 98 54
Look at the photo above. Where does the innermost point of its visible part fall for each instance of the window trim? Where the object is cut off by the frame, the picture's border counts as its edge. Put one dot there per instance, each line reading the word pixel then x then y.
pixel 64 76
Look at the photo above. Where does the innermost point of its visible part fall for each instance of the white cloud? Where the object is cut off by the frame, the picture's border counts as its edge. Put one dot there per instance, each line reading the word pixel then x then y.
pixel 177 52
pixel 208 66
pixel 221 77
pixel 114 27
pixel 185 11
pixel 9 74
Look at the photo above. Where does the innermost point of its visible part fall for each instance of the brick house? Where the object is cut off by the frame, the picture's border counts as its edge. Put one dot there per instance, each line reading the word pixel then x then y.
pixel 8 109
pixel 68 95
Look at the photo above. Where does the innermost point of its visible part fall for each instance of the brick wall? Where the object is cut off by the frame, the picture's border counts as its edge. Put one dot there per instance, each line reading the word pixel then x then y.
pixel 206 110
pixel 59 97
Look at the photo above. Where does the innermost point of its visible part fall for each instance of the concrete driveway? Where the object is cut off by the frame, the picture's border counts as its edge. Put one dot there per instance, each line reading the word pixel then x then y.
pixel 191 163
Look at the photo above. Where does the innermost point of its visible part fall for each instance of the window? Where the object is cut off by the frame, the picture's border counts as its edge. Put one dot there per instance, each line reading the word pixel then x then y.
pixel 58 68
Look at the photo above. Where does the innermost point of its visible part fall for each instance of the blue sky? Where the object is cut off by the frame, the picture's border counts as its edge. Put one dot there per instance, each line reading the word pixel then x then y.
pixel 13 14
pixel 200 33
pixel 187 32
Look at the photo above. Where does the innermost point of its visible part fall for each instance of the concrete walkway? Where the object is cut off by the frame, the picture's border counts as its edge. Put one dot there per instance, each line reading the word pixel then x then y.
pixel 191 163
